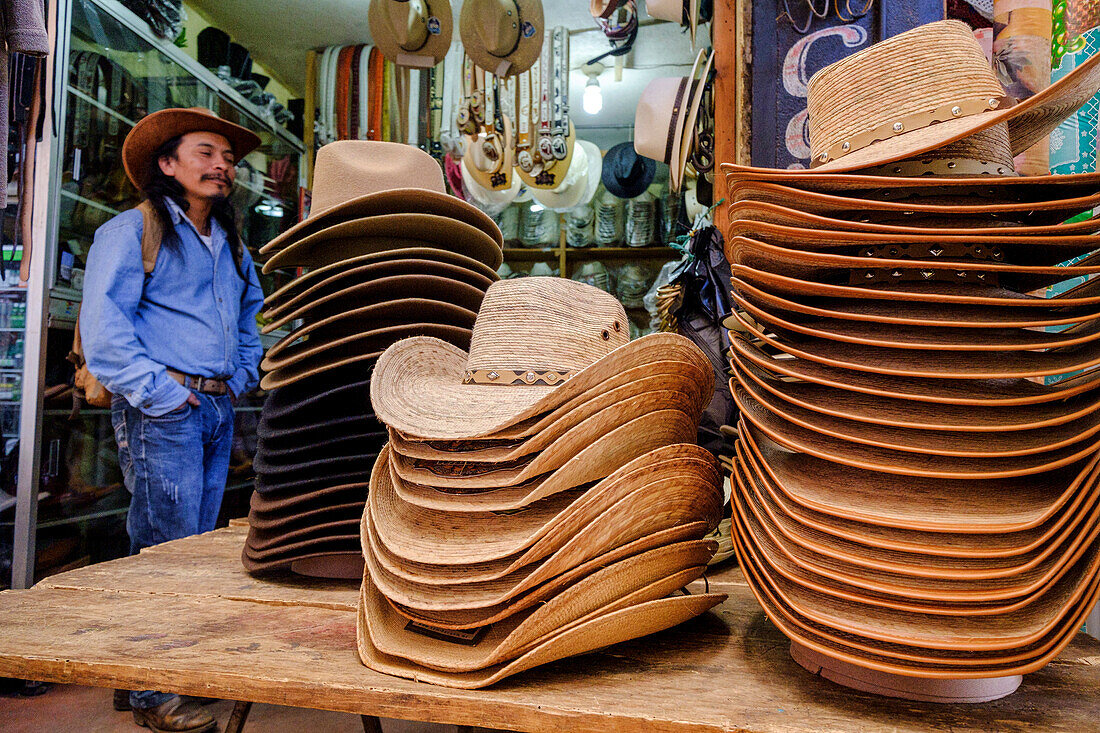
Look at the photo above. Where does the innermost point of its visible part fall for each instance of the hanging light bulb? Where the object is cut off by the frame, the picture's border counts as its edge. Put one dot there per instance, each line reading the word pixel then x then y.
pixel 593 96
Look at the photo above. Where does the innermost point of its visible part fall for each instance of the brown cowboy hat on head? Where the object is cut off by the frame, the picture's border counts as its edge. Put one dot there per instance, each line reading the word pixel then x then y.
pixel 154 130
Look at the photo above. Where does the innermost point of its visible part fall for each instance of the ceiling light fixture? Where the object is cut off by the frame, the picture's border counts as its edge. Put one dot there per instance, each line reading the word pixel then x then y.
pixel 592 101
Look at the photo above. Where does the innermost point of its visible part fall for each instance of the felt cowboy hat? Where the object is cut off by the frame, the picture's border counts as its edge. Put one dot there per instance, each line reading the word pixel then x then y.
pixel 347 294
pixel 318 275
pixel 680 12
pixel 664 121
pixel 537 343
pixel 394 231
pixel 287 408
pixel 367 346
pixel 924 89
pixel 503 37
pixel 353 179
pixel 411 32
pixel 155 129
pixel 626 174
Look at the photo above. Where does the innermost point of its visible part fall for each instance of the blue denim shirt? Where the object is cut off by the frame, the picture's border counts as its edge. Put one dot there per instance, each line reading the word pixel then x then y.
pixel 192 313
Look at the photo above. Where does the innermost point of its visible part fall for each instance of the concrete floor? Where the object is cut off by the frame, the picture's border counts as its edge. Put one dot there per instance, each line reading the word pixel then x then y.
pixel 76 709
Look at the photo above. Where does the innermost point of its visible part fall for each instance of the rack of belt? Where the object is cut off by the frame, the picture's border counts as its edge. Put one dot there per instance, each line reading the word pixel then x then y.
pixel 517 127
pixel 356 92
pixel 105 100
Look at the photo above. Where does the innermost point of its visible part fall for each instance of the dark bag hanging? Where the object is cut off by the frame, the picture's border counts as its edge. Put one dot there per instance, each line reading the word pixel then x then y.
pixel 706 303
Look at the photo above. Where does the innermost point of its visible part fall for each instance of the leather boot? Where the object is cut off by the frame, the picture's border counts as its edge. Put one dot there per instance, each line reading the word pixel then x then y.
pixel 122 700
pixel 175 716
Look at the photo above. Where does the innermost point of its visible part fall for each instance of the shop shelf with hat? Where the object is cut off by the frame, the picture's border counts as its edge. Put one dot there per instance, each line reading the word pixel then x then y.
pixel 891 326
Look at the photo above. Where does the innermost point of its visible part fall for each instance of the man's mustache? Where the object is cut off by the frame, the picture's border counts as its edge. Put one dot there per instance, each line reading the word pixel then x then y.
pixel 217 177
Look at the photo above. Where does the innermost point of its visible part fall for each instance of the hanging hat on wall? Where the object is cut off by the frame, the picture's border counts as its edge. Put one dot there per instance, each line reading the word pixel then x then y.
pixel 411 32
pixel 625 173
pixel 502 36
pixel 664 122
pixel 681 12
pixel 213 47
pixel 575 188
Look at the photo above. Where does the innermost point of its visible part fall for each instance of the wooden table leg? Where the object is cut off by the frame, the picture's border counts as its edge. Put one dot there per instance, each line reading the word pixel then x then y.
pixel 371 724
pixel 238 717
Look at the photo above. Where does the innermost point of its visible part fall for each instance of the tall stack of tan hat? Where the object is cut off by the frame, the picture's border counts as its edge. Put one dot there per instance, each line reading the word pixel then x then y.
pixel 916 502
pixel 540 495
pixel 384 263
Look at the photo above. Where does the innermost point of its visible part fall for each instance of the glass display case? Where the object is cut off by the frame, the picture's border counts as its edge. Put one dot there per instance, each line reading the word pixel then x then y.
pixel 117 71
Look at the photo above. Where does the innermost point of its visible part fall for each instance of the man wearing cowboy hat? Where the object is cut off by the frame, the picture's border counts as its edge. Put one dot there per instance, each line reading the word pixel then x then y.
pixel 175 345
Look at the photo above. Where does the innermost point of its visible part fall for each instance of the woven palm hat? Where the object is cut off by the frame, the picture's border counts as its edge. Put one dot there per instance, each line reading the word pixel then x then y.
pixel 387 233
pixel 537 343
pixel 635 580
pixel 591 631
pixel 356 178
pixel 503 37
pixel 348 293
pixel 468 538
pixel 411 33
pixel 921 90
pixel 157 128
pixel 356 348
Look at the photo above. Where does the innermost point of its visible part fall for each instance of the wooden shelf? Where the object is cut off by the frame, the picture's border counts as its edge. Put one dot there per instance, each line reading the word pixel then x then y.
pixel 530 254
pixel 597 253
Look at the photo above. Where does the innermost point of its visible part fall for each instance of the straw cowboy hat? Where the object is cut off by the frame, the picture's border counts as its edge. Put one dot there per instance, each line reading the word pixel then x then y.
pixel 579 184
pixel 155 129
pixel 416 33
pixel 353 179
pixel 664 121
pixel 537 343
pixel 924 89
pixel 503 37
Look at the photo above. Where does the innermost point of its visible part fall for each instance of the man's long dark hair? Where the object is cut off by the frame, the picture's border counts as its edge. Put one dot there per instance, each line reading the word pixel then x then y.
pixel 162 187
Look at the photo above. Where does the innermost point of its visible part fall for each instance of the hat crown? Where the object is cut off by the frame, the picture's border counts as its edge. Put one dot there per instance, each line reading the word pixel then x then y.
pixel 655 118
pixel 349 169
pixel 545 323
pixel 938 67
pixel 497 25
pixel 409 24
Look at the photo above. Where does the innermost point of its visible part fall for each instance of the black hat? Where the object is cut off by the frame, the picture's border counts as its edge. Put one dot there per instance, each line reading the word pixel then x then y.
pixel 240 62
pixel 213 47
pixel 327 446
pixel 321 479
pixel 625 173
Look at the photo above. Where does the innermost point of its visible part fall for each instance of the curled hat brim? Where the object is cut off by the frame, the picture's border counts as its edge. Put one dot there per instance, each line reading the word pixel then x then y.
pixel 417 387
pixel 155 129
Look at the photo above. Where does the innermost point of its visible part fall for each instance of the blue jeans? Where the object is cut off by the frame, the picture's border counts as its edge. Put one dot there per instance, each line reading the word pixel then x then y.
pixel 175 467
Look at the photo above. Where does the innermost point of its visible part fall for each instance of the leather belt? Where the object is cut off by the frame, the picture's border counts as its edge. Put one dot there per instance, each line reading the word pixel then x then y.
pixel 205 385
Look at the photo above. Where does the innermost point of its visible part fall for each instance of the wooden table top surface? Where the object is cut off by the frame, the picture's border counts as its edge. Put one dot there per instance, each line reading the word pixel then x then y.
pixel 185 617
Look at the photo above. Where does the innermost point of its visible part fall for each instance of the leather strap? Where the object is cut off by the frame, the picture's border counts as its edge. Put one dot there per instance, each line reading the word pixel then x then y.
pixel 364 93
pixel 205 385
pixel 353 94
pixel 377 92
pixel 517 377
pixel 343 79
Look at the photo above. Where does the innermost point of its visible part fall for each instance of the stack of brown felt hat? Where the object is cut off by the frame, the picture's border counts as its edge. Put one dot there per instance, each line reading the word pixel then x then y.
pixel 540 496
pixel 383 264
pixel 915 353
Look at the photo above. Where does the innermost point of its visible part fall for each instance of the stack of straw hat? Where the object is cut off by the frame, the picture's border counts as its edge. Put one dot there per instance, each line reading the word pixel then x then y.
pixel 541 495
pixel 383 263
pixel 915 479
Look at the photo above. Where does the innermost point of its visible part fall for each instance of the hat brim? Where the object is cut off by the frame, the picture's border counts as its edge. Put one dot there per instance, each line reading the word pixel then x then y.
pixel 301 408
pixel 1028 122
pixel 397 200
pixel 373 317
pixel 633 186
pixel 595 633
pixel 417 387
pixel 287 486
pixel 315 276
pixel 626 583
pixel 287 501
pixel 355 348
pixel 370 234
pixel 155 129
pixel 483 546
pixel 557 169
pixel 682 148
pixel 435 45
pixel 377 292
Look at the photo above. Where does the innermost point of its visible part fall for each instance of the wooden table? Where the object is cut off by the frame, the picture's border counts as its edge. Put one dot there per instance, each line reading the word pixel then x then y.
pixel 185 617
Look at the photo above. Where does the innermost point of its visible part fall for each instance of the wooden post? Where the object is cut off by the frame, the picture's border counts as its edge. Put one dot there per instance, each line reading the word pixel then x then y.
pixel 731 34
pixel 310 110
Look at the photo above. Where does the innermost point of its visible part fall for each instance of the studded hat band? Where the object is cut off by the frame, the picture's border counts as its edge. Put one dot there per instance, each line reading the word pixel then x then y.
pixel 940 167
pixel 518 377
pixel 902 125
